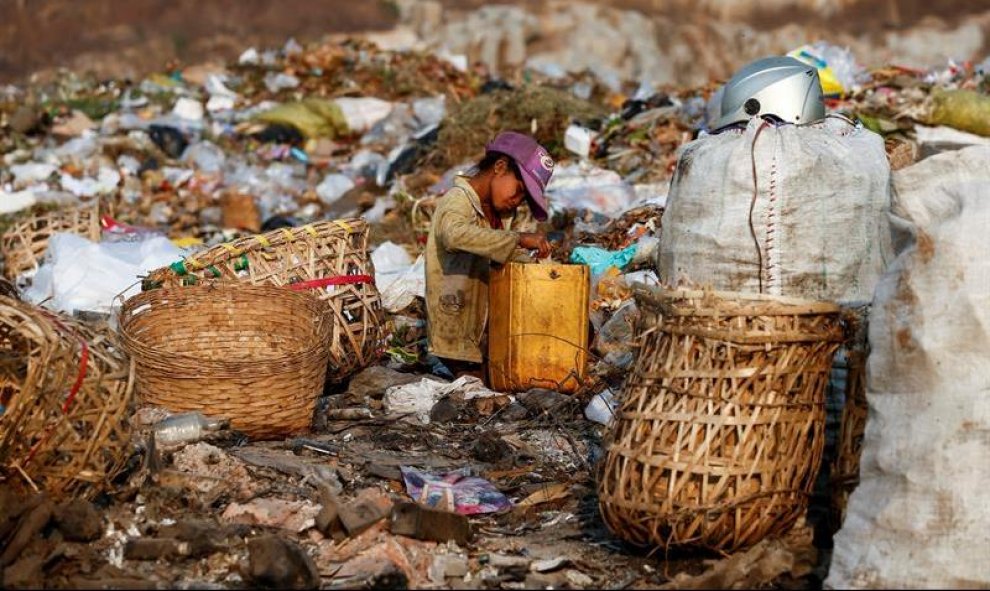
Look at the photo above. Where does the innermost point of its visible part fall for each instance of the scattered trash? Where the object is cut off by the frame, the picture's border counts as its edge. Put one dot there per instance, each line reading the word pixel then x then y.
pixel 295 516
pixel 191 161
pixel 418 399
pixel 186 428
pixel 79 274
pixel 425 523
pixel 456 491
pixel 602 408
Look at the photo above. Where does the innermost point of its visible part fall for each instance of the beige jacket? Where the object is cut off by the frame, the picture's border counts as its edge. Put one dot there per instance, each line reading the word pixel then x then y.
pixel 459 253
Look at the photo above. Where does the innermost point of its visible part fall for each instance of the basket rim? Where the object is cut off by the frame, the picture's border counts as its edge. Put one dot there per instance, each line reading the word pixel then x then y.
pixel 147 352
pixel 762 304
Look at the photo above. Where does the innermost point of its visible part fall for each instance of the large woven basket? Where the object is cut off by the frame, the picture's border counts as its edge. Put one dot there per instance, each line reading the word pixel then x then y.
pixel 68 394
pixel 845 467
pixel 254 354
pixel 721 427
pixel 330 258
pixel 24 244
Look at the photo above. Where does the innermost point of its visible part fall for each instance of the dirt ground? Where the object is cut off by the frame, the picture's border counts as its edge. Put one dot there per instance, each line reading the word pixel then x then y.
pixel 131 38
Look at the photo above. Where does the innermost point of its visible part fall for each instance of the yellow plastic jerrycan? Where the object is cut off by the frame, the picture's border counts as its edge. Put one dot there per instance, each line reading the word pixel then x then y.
pixel 538 327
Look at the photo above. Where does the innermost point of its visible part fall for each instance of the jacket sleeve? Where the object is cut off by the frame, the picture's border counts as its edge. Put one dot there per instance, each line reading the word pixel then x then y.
pixel 457 231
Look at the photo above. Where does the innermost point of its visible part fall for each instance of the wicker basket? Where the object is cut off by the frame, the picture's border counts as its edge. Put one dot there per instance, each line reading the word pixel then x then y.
pixel 254 354
pixel 331 257
pixel 721 428
pixel 845 467
pixel 68 394
pixel 24 244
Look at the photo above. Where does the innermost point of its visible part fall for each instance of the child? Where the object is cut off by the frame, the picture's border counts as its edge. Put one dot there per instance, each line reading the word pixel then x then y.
pixel 475 224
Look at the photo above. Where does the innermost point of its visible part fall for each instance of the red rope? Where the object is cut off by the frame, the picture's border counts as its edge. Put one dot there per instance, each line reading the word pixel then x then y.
pixel 73 391
pixel 326 281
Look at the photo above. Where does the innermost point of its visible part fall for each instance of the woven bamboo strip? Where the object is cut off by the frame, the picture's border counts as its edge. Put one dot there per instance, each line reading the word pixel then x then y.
pixel 332 249
pixel 254 354
pixel 68 390
pixel 717 442
pixel 845 467
pixel 24 244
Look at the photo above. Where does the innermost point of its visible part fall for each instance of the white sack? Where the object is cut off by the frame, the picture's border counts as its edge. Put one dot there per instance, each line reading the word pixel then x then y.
pixel 920 517
pixel 82 275
pixel 926 192
pixel 819 215
pixel 418 398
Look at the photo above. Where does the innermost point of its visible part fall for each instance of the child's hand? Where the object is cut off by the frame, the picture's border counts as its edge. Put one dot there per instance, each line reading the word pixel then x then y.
pixel 535 241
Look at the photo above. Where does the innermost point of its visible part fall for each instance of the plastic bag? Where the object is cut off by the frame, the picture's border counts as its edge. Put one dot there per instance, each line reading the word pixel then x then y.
pixel 333 188
pixel 82 275
pixel 584 186
pixel 361 114
pixel 391 262
pixel 410 285
pixel 965 110
pixel 599 259
pixel 602 408
pixel 455 491
pixel 837 68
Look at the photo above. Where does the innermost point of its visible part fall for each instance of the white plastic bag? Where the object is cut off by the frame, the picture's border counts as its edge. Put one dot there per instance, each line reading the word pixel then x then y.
pixel 82 275
pixel 920 517
pixel 391 262
pixel 408 286
pixel 819 216
pixel 363 113
pixel 584 186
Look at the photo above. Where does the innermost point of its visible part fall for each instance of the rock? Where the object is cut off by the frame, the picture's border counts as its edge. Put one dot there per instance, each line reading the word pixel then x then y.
pixel 26 119
pixel 514 412
pixel 281 564
pixel 372 382
pixel 296 516
pixel 424 523
pixel 370 507
pixel 26 573
pixel 79 521
pixel 29 526
pixel 549 565
pixel 445 411
pixel 489 447
pixel 194 530
pixel 384 471
pixel 328 519
pixel 166 548
pixel 579 579
pixel 539 400
pixel 448 565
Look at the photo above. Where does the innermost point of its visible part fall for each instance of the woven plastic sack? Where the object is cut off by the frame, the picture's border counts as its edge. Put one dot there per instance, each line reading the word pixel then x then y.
pixel 818 228
pixel 919 517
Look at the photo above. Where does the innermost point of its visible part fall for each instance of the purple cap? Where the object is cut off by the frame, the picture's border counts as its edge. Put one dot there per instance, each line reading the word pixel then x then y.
pixel 534 163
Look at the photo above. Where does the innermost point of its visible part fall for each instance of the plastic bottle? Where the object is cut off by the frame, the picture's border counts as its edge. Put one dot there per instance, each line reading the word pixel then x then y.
pixel 187 428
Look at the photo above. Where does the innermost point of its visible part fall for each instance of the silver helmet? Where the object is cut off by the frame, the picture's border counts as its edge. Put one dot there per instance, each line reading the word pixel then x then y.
pixel 782 87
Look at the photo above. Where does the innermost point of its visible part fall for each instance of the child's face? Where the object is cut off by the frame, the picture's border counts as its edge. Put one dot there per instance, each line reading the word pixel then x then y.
pixel 508 190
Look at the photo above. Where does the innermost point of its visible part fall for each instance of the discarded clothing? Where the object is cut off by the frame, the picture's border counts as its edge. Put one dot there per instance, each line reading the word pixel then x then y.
pixel 454 491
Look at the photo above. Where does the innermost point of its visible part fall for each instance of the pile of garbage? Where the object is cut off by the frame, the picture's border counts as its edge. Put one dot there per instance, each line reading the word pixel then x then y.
pixel 381 492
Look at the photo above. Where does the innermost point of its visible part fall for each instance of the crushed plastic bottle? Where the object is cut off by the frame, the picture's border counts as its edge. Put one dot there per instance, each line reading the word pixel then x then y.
pixel 187 428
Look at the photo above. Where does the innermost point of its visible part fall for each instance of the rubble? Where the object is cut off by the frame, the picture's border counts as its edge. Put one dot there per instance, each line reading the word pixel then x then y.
pixel 405 478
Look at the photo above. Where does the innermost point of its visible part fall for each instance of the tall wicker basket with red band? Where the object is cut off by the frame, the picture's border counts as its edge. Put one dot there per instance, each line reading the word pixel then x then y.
pixel 328 258
pixel 67 395
pixel 722 421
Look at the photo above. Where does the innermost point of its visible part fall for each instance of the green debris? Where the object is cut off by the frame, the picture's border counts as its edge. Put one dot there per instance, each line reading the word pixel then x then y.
pixel 314 118
pixel 965 110
pixel 542 112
